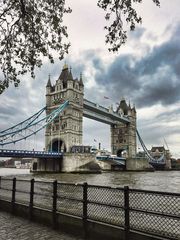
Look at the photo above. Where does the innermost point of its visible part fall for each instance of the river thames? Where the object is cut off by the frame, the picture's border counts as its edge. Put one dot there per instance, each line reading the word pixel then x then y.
pixel 168 181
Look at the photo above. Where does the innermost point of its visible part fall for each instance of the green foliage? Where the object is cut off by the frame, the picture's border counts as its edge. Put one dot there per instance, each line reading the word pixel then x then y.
pixel 29 30
pixel 120 11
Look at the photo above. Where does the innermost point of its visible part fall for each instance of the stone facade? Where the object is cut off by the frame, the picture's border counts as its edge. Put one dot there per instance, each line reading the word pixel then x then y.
pixel 123 136
pixel 66 130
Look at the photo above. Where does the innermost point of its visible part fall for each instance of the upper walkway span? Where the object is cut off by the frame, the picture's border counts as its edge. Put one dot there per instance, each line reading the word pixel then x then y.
pixel 99 113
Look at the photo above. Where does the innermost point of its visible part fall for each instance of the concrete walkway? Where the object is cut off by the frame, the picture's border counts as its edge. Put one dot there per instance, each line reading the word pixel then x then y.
pixel 15 228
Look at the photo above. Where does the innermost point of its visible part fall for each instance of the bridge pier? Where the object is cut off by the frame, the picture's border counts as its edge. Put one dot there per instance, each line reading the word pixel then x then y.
pixel 138 164
pixel 71 162
pixel 47 165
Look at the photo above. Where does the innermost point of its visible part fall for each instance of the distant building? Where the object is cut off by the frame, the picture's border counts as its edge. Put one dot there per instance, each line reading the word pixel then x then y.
pixel 157 151
pixel 175 164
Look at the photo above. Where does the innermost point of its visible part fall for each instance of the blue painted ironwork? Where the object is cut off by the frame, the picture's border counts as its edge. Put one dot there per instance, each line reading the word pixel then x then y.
pixel 152 161
pixel 30 127
pixel 22 124
pixel 112 159
pixel 29 154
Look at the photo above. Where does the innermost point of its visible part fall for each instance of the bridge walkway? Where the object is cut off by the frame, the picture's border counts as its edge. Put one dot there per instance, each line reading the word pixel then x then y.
pixel 17 228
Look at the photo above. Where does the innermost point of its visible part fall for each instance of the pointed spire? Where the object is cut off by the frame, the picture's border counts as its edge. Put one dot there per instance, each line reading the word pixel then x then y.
pixel 49 82
pixel 134 108
pixel 123 105
pixel 70 77
pixel 129 106
pixel 65 66
pixel 80 80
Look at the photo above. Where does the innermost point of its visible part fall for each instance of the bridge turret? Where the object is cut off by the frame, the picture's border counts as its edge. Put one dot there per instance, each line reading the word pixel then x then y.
pixel 48 91
pixel 123 136
pixel 48 85
pixel 70 81
pixel 81 84
pixel 67 129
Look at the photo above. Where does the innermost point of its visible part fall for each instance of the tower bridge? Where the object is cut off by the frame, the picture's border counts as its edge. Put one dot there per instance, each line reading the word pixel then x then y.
pixel 66 130
pixel 65 109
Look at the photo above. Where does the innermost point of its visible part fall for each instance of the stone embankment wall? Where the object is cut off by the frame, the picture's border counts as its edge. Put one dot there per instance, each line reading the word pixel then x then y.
pixel 81 162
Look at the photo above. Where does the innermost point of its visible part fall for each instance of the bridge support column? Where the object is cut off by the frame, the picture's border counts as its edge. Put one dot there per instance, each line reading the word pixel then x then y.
pixel 47 165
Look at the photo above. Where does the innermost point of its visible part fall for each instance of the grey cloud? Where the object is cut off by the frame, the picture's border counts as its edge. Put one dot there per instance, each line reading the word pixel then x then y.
pixel 152 79
pixel 169 114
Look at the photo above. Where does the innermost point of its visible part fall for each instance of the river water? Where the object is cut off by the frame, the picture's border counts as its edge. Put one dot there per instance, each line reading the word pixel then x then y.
pixel 166 181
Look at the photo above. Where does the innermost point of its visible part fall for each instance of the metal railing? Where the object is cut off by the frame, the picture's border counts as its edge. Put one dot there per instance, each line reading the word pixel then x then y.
pixel 27 153
pixel 151 212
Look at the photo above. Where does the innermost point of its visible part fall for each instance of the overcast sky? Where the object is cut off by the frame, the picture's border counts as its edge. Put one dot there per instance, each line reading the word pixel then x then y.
pixel 146 71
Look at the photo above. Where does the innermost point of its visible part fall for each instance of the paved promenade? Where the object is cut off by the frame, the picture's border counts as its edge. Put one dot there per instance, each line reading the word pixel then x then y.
pixel 15 228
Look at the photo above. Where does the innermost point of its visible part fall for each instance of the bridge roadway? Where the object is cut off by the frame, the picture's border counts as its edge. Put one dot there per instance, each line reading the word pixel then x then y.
pixel 112 160
pixel 99 113
pixel 29 154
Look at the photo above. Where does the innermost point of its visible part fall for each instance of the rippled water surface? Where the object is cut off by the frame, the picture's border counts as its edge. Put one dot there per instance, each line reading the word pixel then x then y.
pixel 168 181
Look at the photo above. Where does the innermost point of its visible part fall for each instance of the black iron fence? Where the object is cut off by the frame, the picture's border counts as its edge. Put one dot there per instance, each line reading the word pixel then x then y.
pixel 154 213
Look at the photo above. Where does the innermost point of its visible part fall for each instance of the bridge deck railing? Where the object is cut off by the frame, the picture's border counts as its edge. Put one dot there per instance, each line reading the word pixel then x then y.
pixel 28 153
pixel 150 212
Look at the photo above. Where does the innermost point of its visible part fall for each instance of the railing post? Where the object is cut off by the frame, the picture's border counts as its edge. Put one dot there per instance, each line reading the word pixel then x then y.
pixel 126 209
pixel 85 186
pixel 13 195
pixel 31 199
pixel 55 204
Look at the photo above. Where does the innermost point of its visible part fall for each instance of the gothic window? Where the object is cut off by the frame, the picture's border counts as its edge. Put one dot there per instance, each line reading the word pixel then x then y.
pixel 120 132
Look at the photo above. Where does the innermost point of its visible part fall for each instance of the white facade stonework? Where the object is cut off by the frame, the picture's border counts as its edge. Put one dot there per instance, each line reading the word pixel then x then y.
pixel 66 130
pixel 123 136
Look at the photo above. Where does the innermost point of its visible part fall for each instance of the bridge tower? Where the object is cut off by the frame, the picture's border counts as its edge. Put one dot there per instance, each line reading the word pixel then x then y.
pixel 123 136
pixel 66 130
